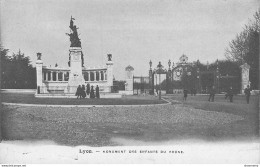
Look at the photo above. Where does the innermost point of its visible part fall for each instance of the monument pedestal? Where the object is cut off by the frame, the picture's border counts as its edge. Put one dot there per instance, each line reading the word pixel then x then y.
pixel 109 76
pixel 75 77
pixel 129 86
pixel 39 77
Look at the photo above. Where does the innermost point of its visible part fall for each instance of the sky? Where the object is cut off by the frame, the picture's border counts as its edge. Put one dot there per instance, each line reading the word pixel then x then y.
pixel 133 31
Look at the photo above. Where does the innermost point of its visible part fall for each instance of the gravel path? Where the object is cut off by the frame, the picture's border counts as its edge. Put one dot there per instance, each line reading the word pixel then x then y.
pixel 145 115
pixel 96 126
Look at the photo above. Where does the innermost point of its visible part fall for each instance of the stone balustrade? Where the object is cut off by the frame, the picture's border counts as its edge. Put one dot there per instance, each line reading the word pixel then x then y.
pixel 62 75
pixel 52 75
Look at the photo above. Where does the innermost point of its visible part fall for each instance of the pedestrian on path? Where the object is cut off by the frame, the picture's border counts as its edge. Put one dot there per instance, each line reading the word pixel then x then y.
pixel 83 91
pixel 97 92
pixel 230 94
pixel 212 93
pixel 185 94
pixel 88 89
pixel 78 92
pixel 247 93
pixel 92 93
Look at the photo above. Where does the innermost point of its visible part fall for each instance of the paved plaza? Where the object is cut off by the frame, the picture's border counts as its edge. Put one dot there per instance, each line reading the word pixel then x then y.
pixel 116 125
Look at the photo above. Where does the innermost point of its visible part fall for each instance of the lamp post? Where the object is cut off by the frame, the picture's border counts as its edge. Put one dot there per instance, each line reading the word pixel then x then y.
pixel 151 85
pixel 150 63
pixel 168 79
pixel 227 82
pixel 198 76
pixel 217 78
pixel 159 66
pixel 156 81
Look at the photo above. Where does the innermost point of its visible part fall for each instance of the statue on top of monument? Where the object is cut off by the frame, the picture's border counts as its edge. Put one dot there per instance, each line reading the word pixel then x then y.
pixel 74 38
pixel 39 56
pixel 109 57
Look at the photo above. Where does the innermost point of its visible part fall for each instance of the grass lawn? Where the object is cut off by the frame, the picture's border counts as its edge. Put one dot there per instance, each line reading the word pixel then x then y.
pixel 28 98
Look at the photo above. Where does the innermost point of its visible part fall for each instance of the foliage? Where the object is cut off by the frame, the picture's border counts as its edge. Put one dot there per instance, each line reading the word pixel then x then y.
pixel 245 48
pixel 188 79
pixel 229 73
pixel 119 84
pixel 17 72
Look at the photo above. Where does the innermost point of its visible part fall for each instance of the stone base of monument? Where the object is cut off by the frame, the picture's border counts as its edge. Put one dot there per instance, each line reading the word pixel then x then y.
pixel 124 92
pixel 73 84
pixel 69 95
pixel 75 76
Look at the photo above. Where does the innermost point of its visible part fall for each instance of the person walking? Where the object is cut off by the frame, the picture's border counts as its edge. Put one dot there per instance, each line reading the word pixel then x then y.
pixel 212 93
pixel 88 89
pixel 230 94
pixel 247 92
pixel 92 94
pixel 185 94
pixel 78 92
pixel 97 92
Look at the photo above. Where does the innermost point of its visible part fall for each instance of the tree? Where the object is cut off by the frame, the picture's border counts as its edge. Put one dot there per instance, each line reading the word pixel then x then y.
pixel 230 75
pixel 17 72
pixel 5 67
pixel 245 48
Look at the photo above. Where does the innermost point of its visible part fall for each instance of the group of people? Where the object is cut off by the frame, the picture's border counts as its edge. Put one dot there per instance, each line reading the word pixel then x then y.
pixel 88 91
pixel 229 94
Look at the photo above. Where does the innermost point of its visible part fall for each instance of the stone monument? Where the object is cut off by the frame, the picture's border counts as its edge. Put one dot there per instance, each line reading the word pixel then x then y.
pixel 244 76
pixel 75 60
pixel 62 82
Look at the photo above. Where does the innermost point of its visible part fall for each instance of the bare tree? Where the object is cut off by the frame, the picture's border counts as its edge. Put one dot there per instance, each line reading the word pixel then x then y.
pixel 245 48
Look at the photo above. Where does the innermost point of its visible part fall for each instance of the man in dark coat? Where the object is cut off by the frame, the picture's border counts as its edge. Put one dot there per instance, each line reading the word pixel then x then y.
pixel 157 91
pixel 185 94
pixel 230 94
pixel 83 91
pixel 212 93
pixel 78 92
pixel 97 91
pixel 88 89
pixel 247 93
pixel 92 93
